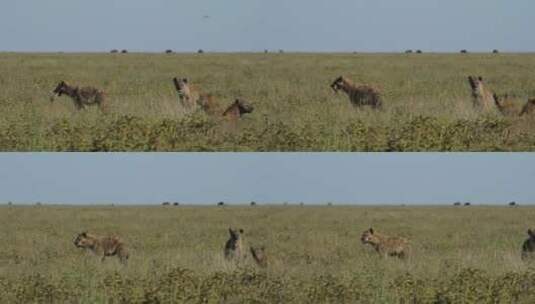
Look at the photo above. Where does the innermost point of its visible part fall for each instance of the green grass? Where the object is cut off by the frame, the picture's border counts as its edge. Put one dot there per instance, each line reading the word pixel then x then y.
pixel 427 102
pixel 457 255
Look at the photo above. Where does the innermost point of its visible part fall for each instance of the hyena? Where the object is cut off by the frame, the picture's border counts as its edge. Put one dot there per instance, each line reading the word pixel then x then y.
pixel 528 108
pixel 482 98
pixel 238 108
pixel 234 245
pixel 259 256
pixel 506 105
pixel 386 245
pixel 528 247
pixel 82 96
pixel 191 97
pixel 358 95
pixel 105 246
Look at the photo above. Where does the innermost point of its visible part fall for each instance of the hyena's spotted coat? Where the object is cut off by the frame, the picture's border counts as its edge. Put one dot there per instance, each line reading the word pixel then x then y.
pixel 259 256
pixel 104 246
pixel 483 98
pixel 191 97
pixel 234 245
pixel 237 109
pixel 528 247
pixel 82 96
pixel 385 245
pixel 359 95
pixel 528 108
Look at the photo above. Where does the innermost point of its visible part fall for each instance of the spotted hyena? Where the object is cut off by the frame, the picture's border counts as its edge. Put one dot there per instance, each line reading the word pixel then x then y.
pixel 81 96
pixel 104 246
pixel 191 97
pixel 483 98
pixel 234 245
pixel 238 108
pixel 528 108
pixel 359 95
pixel 385 245
pixel 528 247
pixel 259 256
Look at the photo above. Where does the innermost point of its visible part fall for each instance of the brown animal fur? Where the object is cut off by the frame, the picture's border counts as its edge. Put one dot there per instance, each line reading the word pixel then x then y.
pixel 237 109
pixel 528 108
pixel 234 245
pixel 358 95
pixel 385 245
pixel 528 247
pixel 191 96
pixel 105 246
pixel 259 256
pixel 81 96
pixel 507 105
pixel 482 98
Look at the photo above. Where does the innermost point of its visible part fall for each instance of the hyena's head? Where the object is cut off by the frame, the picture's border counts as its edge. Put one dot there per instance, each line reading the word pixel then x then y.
pixel 84 240
pixel 369 237
pixel 476 84
pixel 59 90
pixel 235 235
pixel 259 255
pixel 531 235
pixel 244 106
pixel 338 83
pixel 182 86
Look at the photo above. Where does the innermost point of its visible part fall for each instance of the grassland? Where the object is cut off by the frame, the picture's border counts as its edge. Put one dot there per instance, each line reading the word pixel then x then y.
pixel 458 255
pixel 427 102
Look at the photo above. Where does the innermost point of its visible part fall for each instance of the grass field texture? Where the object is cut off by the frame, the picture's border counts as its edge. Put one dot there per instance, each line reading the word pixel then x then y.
pixel 427 102
pixel 457 255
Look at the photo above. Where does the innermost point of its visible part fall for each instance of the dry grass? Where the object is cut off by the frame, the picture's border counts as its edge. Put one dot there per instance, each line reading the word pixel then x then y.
pixel 311 249
pixel 295 110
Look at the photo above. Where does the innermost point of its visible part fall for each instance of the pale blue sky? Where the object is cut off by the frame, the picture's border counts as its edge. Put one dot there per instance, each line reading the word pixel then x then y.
pixel 253 25
pixel 206 178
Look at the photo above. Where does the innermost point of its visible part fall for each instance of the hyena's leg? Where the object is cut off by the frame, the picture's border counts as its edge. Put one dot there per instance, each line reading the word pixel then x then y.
pixel 103 258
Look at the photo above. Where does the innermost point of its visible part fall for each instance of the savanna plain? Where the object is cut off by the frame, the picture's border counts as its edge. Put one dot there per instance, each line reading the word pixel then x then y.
pixel 315 255
pixel 427 102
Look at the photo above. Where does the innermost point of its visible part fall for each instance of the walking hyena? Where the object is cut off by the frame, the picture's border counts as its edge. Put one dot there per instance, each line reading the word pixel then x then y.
pixel 528 247
pixel 259 256
pixel 234 245
pixel 238 108
pixel 191 97
pixel 81 96
pixel 105 246
pixel 482 98
pixel 358 95
pixel 386 245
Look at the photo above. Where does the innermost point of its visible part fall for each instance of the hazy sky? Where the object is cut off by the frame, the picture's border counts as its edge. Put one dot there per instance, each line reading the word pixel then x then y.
pixel 252 25
pixel 364 178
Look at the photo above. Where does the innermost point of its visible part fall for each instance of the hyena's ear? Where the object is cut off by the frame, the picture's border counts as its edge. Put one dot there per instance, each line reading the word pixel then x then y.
pixel 185 80
pixel 241 230
pixel 84 233
pixel 530 233
pixel 371 230
pixel 480 78
pixel 175 81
